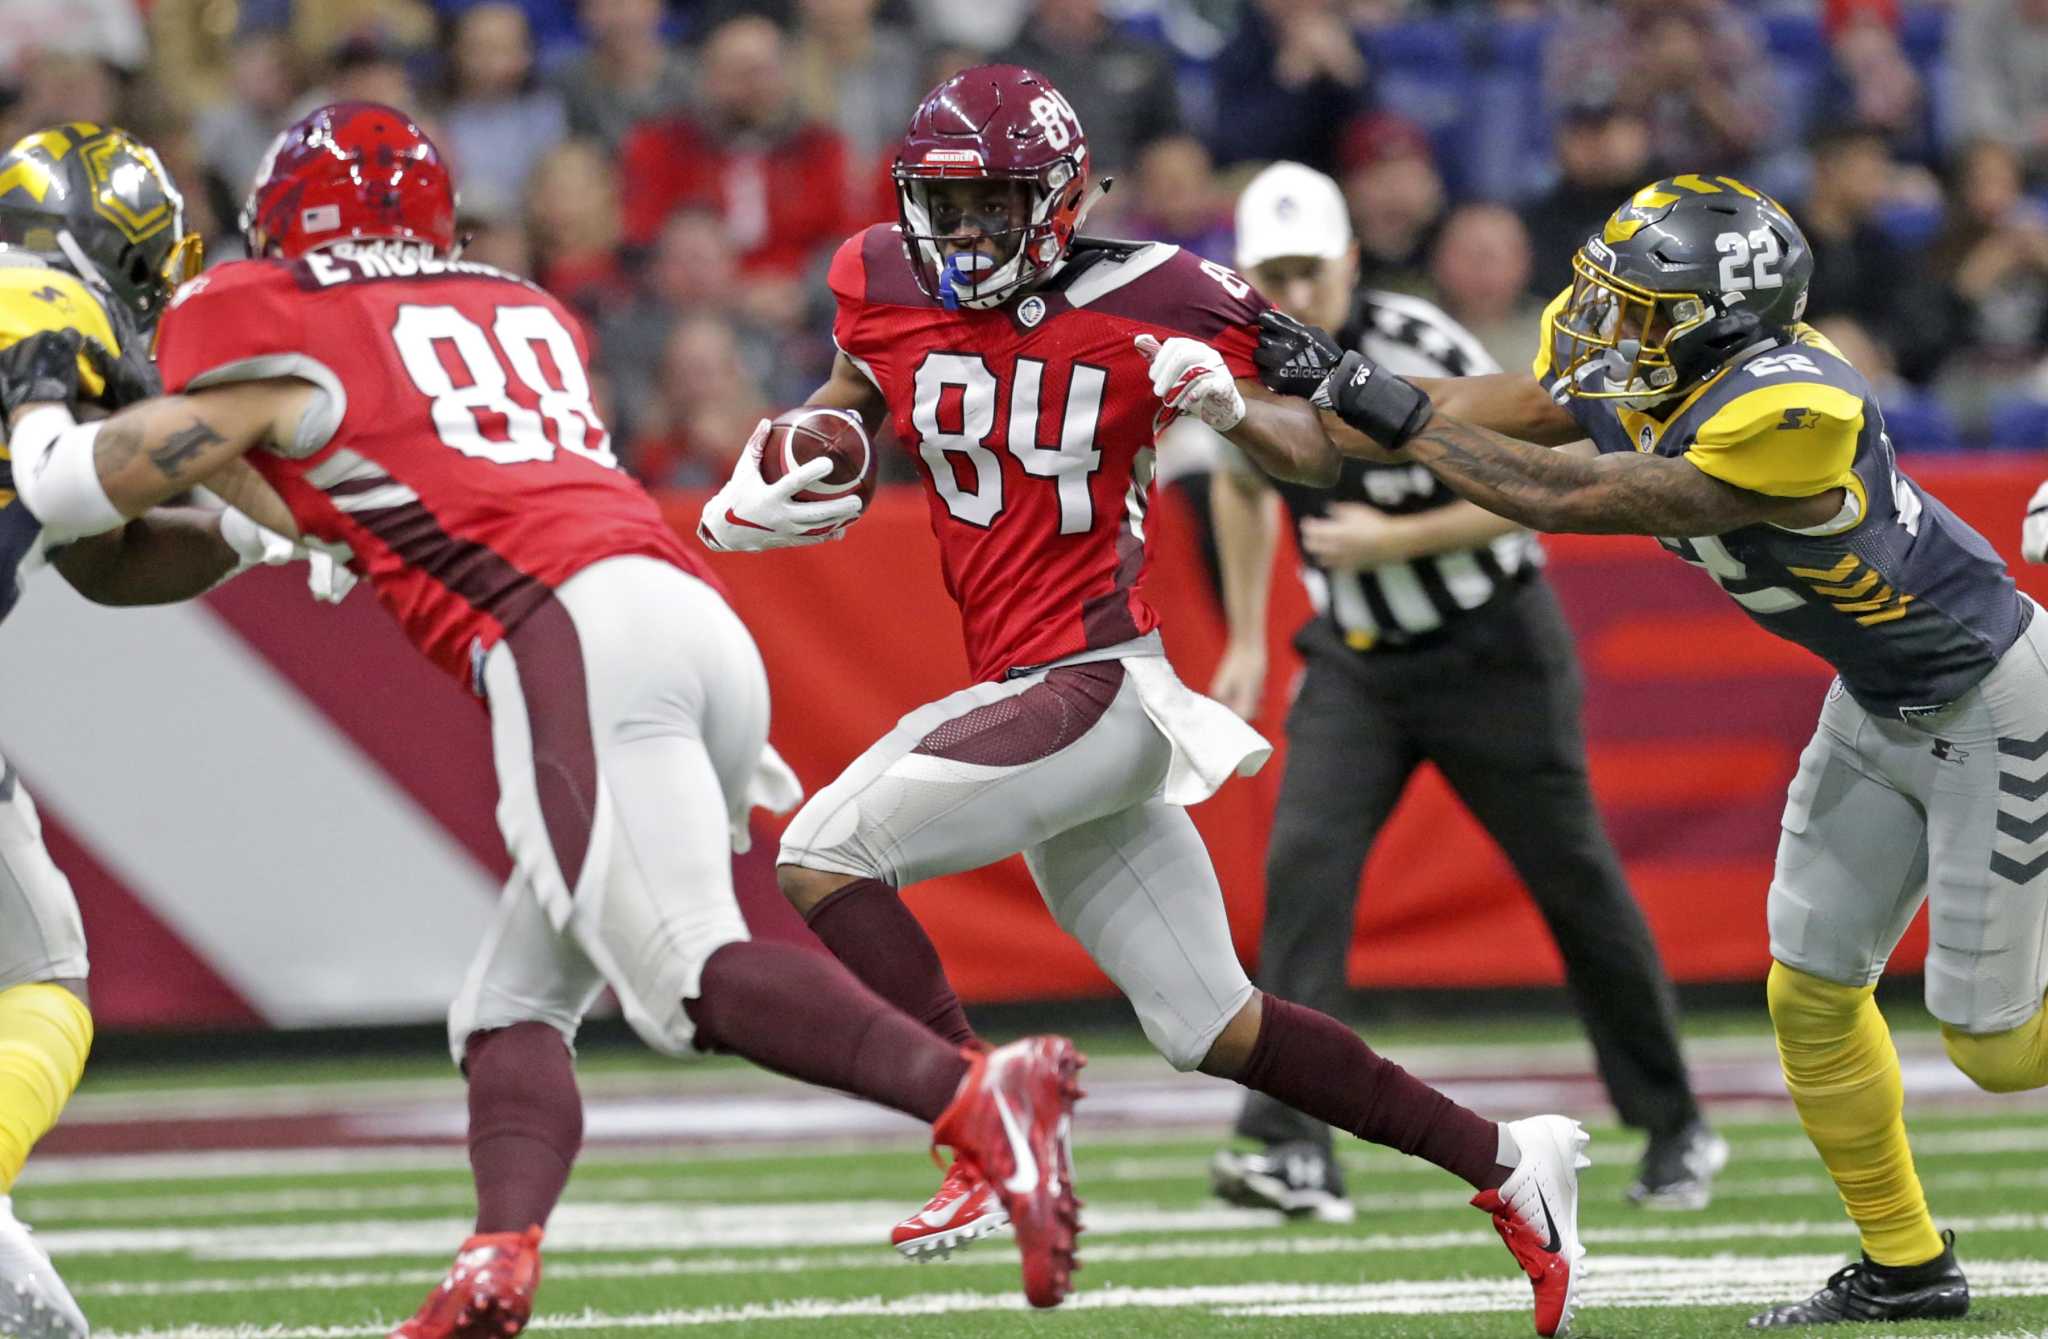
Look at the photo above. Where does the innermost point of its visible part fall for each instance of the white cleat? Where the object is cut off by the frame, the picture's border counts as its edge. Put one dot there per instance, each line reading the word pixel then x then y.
pixel 1536 1212
pixel 34 1303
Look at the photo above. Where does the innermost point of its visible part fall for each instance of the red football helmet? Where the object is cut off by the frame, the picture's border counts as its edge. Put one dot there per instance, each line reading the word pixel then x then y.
pixel 350 170
pixel 997 124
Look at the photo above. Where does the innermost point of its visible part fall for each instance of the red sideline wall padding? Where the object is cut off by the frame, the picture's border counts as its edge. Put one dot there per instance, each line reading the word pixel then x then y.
pixel 1695 719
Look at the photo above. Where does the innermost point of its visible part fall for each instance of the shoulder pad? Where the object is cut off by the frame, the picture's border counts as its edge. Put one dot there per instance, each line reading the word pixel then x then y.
pixel 1089 249
pixel 36 298
pixel 1788 438
pixel 870 268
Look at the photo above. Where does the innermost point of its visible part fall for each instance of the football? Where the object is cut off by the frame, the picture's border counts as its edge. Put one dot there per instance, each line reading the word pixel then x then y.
pixel 803 434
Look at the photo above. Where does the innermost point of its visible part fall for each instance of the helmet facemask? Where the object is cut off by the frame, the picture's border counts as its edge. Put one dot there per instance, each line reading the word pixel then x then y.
pixel 108 212
pixel 1614 340
pixel 1031 230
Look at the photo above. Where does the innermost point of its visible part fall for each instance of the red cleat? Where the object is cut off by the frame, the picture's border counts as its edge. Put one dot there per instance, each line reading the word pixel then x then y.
pixel 1011 1124
pixel 964 1210
pixel 1536 1212
pixel 488 1293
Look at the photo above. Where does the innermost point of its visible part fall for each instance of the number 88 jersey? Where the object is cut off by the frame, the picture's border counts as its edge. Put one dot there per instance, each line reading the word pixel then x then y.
pixel 455 450
pixel 1032 426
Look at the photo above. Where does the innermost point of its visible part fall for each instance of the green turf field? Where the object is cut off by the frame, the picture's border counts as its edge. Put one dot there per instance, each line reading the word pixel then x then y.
pixel 784 1241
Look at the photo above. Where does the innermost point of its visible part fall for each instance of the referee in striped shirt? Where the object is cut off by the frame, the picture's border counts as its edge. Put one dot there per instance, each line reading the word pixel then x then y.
pixel 1436 639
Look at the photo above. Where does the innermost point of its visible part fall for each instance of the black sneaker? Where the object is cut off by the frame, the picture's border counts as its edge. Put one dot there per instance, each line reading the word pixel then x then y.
pixel 1678 1169
pixel 1299 1178
pixel 1867 1291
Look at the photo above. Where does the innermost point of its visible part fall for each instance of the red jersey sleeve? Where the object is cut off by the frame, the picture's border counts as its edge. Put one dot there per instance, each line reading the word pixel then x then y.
pixel 1221 309
pixel 869 275
pixel 847 278
pixel 1187 295
pixel 228 317
pixel 246 321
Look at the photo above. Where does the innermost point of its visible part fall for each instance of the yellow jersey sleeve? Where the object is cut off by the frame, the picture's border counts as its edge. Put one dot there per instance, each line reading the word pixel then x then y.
pixel 35 298
pixel 1544 365
pixel 1791 440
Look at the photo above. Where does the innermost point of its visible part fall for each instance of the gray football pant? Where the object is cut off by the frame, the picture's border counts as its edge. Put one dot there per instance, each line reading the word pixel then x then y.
pixel 1950 809
pixel 1121 870
pixel 41 935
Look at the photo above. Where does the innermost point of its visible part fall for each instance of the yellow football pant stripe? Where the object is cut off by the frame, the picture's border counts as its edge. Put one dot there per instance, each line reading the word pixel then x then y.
pixel 1843 1074
pixel 45 1032
pixel 2004 1062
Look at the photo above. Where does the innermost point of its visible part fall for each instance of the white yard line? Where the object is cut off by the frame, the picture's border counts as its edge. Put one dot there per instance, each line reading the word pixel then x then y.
pixel 704 1195
pixel 1635 1281
pixel 997 1255
pixel 810 1226
pixel 696 1165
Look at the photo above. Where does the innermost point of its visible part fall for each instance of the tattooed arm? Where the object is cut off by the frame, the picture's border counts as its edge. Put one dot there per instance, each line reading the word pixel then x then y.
pixel 154 450
pixel 1618 493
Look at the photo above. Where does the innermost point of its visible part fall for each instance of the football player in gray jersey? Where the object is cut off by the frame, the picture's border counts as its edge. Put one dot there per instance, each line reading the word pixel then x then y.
pixel 1740 437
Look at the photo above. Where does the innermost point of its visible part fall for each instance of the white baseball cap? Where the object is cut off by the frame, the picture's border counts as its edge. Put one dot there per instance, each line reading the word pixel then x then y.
pixel 1291 210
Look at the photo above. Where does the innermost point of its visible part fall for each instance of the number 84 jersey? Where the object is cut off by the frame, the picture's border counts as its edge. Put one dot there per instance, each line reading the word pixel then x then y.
pixel 454 450
pixel 1908 604
pixel 1032 425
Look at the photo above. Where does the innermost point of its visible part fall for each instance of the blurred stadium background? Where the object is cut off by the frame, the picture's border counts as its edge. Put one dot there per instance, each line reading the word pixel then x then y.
pixel 309 848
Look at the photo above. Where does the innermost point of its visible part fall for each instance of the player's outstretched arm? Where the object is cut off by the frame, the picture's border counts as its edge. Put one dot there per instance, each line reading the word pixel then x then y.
pixel 1304 361
pixel 1280 434
pixel 88 478
pixel 1285 437
pixel 1626 494
pixel 152 451
pixel 1514 404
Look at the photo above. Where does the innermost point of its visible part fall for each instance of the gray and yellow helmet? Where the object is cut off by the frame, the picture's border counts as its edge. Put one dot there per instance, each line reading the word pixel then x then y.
pixel 1688 273
pixel 98 201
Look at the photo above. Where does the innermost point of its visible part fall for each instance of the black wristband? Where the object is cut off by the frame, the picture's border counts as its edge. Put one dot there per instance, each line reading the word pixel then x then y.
pixel 1375 401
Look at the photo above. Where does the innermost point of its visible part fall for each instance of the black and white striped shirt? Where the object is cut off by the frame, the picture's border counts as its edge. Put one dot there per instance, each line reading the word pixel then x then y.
pixel 1400 602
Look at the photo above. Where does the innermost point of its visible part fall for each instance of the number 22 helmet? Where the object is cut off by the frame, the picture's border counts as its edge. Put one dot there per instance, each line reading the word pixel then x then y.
pixel 97 201
pixel 1005 127
pixel 1688 273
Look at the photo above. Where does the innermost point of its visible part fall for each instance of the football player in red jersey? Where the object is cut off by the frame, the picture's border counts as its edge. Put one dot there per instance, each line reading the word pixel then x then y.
pixel 1030 371
pixel 359 386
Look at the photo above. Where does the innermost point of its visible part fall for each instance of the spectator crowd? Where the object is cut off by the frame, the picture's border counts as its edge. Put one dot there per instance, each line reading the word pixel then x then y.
pixel 680 173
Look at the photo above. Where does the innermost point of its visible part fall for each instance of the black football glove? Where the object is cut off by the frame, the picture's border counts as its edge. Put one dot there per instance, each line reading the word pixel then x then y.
pixel 43 368
pixel 1374 401
pixel 129 377
pixel 1293 358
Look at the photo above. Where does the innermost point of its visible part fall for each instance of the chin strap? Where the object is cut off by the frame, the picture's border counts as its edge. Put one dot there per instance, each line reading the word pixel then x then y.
pixel 84 267
pixel 1091 199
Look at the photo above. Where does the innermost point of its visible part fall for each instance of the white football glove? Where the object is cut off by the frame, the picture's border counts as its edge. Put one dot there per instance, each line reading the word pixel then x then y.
pixel 1189 377
pixel 2034 530
pixel 259 546
pixel 750 514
